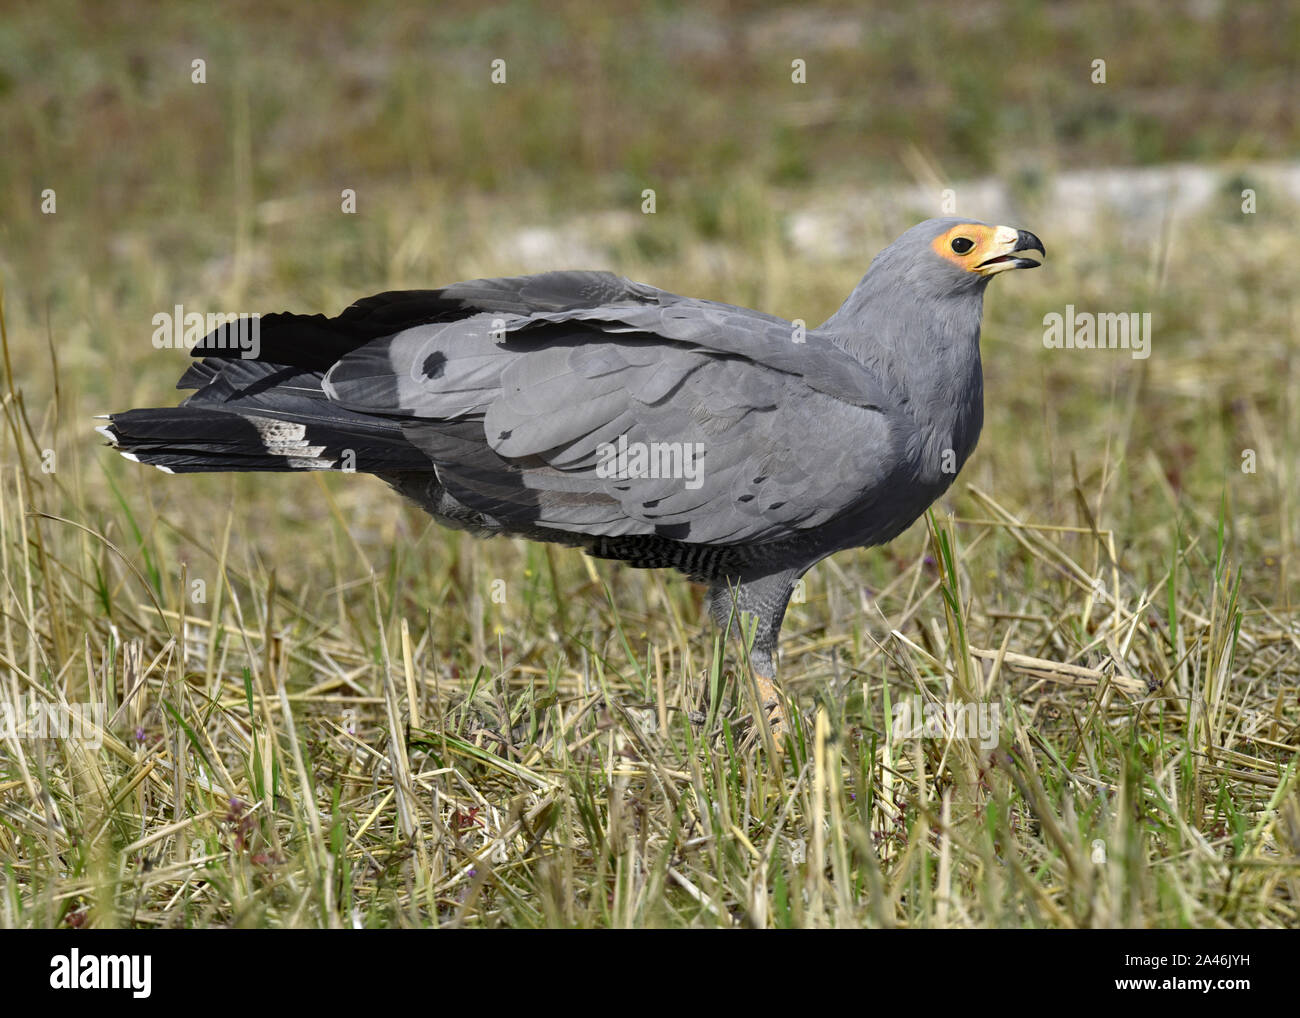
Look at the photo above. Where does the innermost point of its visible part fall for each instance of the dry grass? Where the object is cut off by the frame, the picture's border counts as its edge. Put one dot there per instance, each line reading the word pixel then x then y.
pixel 572 750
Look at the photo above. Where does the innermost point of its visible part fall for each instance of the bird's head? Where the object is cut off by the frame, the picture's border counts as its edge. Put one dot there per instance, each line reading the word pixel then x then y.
pixel 959 255
pixel 986 250
pixel 975 251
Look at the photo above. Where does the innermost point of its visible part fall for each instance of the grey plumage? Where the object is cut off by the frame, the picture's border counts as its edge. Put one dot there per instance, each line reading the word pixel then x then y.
pixel 495 403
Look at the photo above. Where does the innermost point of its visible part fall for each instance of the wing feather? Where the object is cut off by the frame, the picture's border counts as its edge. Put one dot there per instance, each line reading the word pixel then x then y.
pixel 744 435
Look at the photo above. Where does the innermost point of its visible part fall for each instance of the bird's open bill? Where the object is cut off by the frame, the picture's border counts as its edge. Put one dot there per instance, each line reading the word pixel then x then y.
pixel 1021 250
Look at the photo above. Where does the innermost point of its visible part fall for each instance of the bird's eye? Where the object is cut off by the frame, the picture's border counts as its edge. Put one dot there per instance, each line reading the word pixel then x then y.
pixel 962 244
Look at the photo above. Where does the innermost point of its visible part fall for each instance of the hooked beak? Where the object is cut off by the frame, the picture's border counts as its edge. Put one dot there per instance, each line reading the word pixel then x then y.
pixel 1012 249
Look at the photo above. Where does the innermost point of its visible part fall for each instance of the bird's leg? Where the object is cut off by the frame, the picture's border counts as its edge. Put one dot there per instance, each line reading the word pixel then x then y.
pixel 769 701
pixel 764 598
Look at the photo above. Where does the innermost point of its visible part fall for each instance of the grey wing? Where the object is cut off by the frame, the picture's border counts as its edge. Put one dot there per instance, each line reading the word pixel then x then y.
pixel 650 414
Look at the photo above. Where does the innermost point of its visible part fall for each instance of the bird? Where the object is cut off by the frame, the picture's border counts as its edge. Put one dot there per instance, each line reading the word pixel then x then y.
pixel 584 409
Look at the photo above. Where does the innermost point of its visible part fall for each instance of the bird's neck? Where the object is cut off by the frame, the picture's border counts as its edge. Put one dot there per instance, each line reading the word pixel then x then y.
pixel 925 353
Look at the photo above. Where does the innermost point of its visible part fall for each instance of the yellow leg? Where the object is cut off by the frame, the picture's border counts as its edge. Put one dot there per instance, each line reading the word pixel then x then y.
pixel 770 705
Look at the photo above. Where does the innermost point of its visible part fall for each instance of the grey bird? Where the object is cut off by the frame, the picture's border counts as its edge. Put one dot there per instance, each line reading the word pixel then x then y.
pixel 588 410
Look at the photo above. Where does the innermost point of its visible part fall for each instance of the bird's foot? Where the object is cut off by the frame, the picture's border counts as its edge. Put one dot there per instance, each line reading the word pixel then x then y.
pixel 771 707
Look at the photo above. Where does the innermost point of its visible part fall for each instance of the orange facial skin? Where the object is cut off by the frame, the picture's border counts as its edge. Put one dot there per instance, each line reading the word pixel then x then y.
pixel 991 251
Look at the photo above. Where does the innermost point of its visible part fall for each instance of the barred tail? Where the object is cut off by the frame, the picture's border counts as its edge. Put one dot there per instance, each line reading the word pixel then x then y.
pixel 251 415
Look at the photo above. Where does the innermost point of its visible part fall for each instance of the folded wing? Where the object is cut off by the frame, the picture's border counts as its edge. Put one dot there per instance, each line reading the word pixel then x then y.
pixel 586 403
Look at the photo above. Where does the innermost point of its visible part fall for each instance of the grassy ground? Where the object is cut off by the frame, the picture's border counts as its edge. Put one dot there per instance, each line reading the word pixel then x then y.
pixel 325 711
